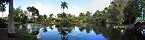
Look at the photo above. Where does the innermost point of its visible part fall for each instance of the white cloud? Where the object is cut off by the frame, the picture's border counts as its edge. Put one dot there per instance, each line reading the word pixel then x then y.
pixel 99 4
pixel 49 9
pixel 43 9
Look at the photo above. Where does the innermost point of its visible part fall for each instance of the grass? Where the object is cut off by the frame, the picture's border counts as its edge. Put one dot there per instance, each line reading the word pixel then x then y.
pixel 26 36
pixel 120 26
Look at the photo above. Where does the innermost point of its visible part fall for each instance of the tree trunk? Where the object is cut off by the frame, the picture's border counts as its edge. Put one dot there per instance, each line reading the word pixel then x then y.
pixel 11 28
pixel 2 14
pixel 63 10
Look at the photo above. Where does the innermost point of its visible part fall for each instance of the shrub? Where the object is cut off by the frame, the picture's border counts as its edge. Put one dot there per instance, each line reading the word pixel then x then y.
pixel 2 23
pixel 26 36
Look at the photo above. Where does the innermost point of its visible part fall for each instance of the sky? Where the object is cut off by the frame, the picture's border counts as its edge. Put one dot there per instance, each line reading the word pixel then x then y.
pixel 53 6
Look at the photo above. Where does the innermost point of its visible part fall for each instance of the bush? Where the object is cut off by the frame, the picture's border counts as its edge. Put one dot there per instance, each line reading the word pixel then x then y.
pixel 2 23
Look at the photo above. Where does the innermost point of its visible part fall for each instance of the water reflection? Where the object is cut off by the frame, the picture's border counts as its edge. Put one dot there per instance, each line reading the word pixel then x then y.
pixel 70 33
pixel 82 33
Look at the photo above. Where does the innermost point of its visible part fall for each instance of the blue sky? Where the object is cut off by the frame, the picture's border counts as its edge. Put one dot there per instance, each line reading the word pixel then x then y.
pixel 53 6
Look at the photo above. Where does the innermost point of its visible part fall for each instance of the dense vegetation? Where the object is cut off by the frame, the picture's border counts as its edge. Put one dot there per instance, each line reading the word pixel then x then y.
pixel 120 12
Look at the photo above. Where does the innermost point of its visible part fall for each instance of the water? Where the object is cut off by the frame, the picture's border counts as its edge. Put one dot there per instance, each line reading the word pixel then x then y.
pixel 75 34
pixel 83 33
pixel 143 32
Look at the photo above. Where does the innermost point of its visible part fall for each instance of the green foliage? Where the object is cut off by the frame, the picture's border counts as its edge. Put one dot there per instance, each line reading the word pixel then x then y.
pixel 2 7
pixel 2 23
pixel 64 5
pixel 133 10
pixel 88 13
pixel 35 12
pixel 4 1
pixel 2 20
pixel 116 13
pixel 45 16
pixel 20 16
pixel 26 36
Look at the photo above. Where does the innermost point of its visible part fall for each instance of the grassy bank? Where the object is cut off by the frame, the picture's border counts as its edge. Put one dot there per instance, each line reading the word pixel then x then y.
pixel 26 36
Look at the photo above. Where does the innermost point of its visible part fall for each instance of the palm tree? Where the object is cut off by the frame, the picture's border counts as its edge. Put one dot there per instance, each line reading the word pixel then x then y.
pixel 64 5
pixel 11 28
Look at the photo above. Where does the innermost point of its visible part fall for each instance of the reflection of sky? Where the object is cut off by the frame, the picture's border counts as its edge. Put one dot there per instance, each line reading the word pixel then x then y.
pixel 74 35
pixel 86 36
pixel 51 35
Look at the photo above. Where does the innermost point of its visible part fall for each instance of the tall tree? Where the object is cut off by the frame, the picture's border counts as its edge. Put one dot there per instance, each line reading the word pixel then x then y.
pixel 88 13
pixel 11 28
pixel 64 5
pixel 113 14
pixel 17 14
pixel 133 10
pixel 120 5
pixel 34 11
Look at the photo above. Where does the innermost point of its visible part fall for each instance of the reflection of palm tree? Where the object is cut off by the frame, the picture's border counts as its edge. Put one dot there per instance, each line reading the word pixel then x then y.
pixel 64 32
pixel 64 35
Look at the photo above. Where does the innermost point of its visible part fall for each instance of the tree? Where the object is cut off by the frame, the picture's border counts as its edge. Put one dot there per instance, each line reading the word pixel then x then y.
pixel 45 16
pixel 51 15
pixel 24 17
pixel 81 14
pixel 18 13
pixel 40 18
pixel 120 6
pixel 64 5
pixel 82 17
pixel 88 13
pixel 113 15
pixel 2 8
pixel 96 13
pixel 133 10
pixel 11 28
pixel 34 11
